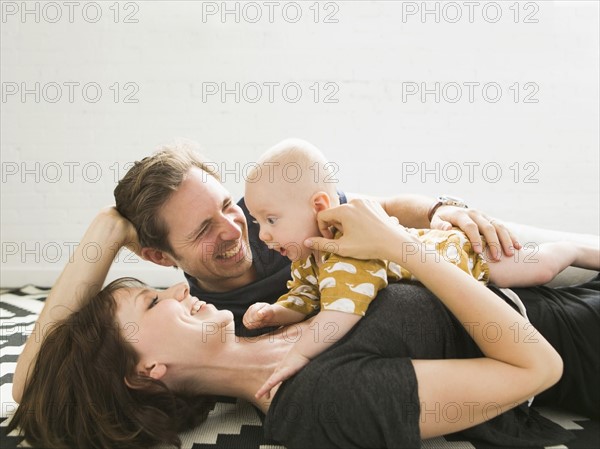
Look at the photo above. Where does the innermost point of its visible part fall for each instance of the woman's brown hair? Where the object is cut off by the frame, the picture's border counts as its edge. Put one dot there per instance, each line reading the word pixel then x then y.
pixel 76 395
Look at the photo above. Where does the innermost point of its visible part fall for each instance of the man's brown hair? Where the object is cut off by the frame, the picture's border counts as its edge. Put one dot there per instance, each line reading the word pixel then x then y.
pixel 147 185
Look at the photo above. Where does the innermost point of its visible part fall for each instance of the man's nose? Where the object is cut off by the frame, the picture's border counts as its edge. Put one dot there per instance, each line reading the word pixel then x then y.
pixel 230 229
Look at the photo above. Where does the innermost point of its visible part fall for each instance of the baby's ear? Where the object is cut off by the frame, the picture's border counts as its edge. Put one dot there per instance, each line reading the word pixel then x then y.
pixel 320 201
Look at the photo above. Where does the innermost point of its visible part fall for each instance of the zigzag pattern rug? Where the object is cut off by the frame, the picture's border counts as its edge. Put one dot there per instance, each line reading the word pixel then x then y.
pixel 230 424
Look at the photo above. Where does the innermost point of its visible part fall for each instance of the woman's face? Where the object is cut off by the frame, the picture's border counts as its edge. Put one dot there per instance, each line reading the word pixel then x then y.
pixel 170 326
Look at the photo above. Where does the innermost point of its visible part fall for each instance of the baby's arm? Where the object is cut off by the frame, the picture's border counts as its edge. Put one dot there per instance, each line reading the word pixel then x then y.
pixel 262 314
pixel 293 307
pixel 327 327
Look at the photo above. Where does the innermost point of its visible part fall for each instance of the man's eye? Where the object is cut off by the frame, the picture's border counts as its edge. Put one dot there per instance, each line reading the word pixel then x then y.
pixel 153 303
pixel 271 220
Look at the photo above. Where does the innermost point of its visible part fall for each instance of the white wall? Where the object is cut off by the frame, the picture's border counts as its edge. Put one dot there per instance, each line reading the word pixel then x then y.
pixel 61 157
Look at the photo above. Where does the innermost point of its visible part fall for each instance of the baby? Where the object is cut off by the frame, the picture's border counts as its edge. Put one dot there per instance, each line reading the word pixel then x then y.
pixel 286 190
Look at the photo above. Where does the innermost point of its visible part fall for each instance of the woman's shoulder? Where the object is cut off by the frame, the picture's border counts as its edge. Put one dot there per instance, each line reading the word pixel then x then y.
pixel 346 398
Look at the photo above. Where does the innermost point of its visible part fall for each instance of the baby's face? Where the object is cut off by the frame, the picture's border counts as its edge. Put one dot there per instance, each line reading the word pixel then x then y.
pixel 284 217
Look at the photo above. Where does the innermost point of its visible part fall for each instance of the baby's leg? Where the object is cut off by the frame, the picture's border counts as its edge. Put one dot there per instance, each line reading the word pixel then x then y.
pixel 539 264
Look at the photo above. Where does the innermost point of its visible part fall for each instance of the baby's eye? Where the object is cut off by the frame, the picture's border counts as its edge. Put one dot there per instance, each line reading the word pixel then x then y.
pixel 153 303
pixel 271 220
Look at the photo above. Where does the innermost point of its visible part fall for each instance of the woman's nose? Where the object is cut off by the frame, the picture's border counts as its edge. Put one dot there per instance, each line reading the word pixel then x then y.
pixel 179 291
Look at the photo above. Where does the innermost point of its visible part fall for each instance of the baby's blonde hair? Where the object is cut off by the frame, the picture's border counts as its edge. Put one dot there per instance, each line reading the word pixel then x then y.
pixel 299 164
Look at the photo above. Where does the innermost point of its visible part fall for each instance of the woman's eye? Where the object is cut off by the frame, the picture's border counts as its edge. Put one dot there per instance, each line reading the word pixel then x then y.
pixel 153 303
pixel 271 220
pixel 255 221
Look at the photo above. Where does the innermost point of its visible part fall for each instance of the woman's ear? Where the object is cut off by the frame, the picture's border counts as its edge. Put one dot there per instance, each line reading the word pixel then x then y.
pixel 320 201
pixel 158 257
pixel 155 371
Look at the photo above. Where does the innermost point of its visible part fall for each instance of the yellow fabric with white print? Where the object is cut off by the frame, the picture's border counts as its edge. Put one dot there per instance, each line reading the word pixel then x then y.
pixel 349 285
pixel 455 247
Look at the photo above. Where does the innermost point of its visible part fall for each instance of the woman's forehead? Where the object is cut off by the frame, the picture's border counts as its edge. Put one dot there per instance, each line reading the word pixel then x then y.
pixel 127 295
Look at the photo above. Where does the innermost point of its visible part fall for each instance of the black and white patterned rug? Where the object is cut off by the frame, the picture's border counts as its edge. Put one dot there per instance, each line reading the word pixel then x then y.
pixel 229 425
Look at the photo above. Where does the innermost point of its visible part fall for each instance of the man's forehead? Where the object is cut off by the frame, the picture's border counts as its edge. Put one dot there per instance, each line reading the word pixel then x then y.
pixel 197 191
pixel 199 197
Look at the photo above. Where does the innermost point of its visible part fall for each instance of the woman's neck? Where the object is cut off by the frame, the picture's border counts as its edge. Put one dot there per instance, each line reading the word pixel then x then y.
pixel 241 366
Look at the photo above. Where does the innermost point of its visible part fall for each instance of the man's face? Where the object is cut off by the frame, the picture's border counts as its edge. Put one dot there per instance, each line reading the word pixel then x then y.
pixel 208 233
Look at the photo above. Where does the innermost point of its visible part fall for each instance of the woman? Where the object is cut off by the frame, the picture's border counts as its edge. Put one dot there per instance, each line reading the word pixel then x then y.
pixel 409 364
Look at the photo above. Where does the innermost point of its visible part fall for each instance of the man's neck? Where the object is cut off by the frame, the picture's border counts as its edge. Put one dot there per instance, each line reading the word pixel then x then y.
pixel 229 284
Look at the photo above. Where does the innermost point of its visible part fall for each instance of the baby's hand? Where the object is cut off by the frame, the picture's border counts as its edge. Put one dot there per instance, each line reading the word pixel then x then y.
pixel 259 315
pixel 290 365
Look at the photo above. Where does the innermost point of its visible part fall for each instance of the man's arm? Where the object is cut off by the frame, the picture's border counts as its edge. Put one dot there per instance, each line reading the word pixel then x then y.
pixel 412 210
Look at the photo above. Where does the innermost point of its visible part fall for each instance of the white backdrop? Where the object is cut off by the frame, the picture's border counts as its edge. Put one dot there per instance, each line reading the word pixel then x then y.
pixel 496 102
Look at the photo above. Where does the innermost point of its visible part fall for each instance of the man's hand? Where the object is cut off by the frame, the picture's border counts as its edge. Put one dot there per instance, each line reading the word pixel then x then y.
pixel 290 365
pixel 412 211
pixel 259 314
pixel 474 224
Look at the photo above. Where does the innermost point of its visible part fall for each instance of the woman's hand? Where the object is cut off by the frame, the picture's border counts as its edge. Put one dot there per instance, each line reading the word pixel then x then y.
pixel 367 231
pixel 290 365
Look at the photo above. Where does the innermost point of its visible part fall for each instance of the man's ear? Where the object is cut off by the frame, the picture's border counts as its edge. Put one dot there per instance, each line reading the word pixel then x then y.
pixel 158 257
pixel 154 370
pixel 320 201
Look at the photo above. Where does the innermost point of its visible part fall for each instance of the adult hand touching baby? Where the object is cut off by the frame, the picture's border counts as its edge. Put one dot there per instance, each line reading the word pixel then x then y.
pixel 367 231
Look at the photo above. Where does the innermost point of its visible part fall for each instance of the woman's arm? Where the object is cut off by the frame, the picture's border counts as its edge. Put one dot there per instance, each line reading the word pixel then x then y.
pixel 412 211
pixel 331 325
pixel 515 367
pixel 81 278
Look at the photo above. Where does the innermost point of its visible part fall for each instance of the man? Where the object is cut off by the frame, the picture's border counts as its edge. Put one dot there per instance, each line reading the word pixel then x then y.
pixel 185 218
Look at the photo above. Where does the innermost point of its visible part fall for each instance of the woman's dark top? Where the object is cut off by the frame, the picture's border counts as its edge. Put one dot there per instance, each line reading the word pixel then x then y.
pixel 362 392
